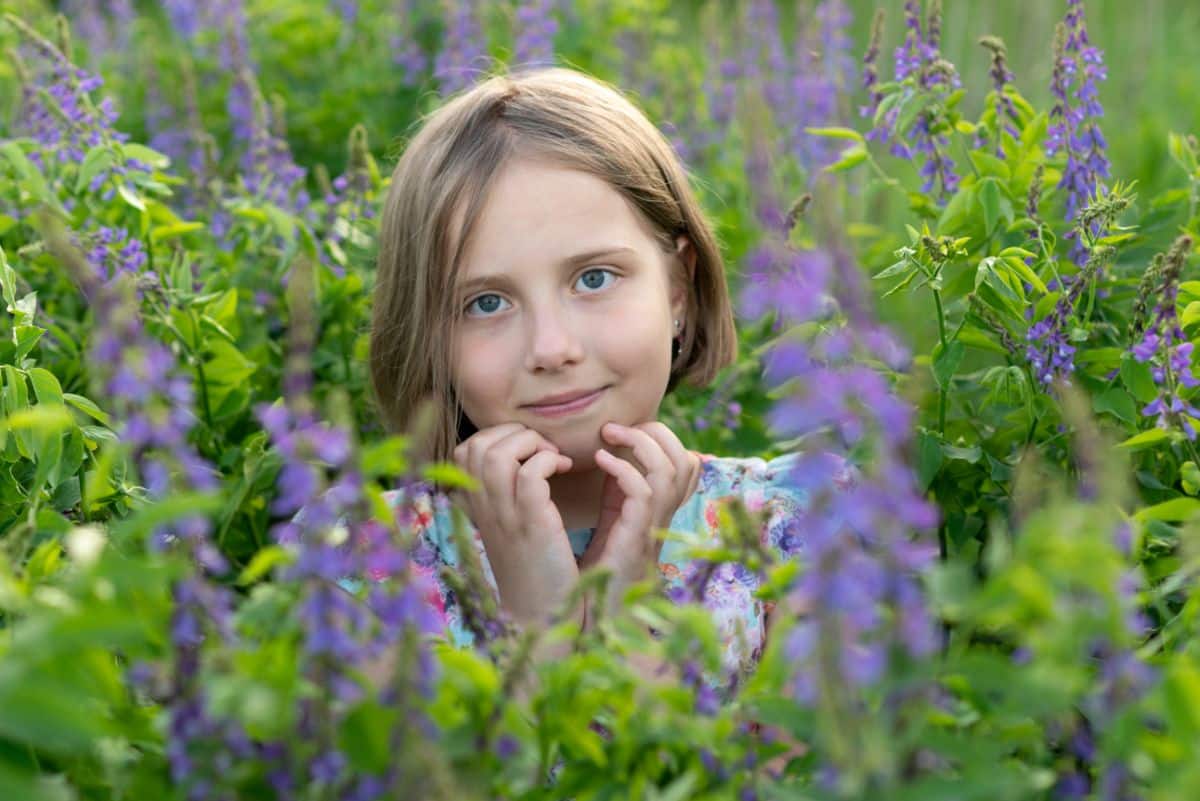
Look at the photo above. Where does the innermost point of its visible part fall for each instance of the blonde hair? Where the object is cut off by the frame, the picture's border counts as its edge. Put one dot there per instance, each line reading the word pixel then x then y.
pixel 441 181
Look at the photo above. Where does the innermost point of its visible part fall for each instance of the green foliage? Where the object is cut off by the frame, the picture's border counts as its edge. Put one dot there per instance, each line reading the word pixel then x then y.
pixel 1066 588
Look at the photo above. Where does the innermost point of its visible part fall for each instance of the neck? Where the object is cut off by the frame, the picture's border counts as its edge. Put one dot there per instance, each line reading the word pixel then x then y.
pixel 577 496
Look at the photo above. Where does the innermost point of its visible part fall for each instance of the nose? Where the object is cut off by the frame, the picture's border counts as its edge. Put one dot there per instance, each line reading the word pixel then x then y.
pixel 553 339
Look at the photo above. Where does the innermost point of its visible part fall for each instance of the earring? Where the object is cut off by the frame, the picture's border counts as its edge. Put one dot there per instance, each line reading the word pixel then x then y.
pixel 675 344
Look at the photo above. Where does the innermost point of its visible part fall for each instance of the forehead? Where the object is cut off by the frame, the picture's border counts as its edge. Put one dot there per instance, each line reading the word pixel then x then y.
pixel 538 213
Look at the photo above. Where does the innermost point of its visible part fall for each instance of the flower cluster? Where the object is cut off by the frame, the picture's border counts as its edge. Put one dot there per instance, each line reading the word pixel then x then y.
pixel 98 22
pixel 268 170
pixel 857 527
pixel 57 109
pixel 1049 350
pixel 347 197
pixel 464 51
pixel 536 26
pixel 152 404
pixel 1074 119
pixel 1164 346
pixel 917 63
pixel 406 50
pixel 332 535
pixel 801 91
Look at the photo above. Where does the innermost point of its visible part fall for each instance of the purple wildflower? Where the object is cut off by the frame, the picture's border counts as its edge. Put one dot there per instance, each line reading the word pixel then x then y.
pixel 1168 351
pixel 268 170
pixel 1049 350
pixel 1074 120
pixel 57 111
pixel 347 11
pixel 535 28
pixel 406 50
pixel 464 50
pixel 857 527
pixel 918 65
pixel 801 86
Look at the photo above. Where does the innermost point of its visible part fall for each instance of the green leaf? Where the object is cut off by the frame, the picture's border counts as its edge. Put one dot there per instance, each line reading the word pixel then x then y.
pixel 989 165
pixel 385 458
pixel 1118 403
pixel 836 133
pixel 131 197
pixel 1018 265
pixel 945 362
pixel 161 232
pixel 929 458
pixel 30 177
pixel 957 214
pixel 1191 314
pixel 45 386
pixel 989 202
pixel 1181 691
pixel 908 279
pixel 156 160
pixel 262 563
pixel 97 160
pixel 1146 439
pixel 971 453
pixel 365 737
pixel 88 407
pixel 895 269
pixel 448 474
pixel 27 336
pixel 1138 379
pixel 8 282
pixel 1176 509
pixel 850 157
pixel 1189 476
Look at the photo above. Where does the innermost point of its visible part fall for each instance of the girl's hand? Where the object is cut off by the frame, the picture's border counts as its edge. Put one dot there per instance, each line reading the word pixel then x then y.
pixel 634 505
pixel 521 528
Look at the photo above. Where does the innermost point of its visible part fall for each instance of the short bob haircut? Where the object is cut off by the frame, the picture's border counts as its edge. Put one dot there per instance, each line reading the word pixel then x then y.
pixel 556 115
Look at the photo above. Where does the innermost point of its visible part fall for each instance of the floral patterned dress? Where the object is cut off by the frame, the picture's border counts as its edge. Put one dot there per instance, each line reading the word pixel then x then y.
pixel 740 618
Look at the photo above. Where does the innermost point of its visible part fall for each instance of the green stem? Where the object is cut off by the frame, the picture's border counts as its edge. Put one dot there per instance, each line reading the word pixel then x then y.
pixel 937 300
pixel 199 361
pixel 943 549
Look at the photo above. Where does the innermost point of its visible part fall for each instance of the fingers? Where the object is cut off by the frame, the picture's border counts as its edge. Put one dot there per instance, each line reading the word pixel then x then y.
pixel 495 455
pixel 671 445
pixel 533 492
pixel 631 482
pixel 632 505
pixel 661 471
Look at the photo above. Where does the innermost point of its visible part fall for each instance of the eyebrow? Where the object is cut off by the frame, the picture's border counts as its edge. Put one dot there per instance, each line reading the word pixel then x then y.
pixel 571 261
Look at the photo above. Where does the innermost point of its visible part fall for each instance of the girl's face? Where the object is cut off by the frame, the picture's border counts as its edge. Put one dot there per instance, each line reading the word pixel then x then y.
pixel 564 290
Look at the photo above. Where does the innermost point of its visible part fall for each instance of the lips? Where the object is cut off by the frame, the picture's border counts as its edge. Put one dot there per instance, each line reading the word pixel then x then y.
pixel 575 403
pixel 563 397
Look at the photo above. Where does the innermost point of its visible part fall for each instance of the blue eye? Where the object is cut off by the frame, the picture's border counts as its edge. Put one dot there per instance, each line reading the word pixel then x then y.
pixel 595 271
pixel 486 302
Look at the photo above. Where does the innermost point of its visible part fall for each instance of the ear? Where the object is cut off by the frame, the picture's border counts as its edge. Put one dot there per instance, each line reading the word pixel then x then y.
pixel 683 275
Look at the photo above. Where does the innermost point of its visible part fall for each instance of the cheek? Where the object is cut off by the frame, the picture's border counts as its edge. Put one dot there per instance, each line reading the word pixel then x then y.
pixel 482 372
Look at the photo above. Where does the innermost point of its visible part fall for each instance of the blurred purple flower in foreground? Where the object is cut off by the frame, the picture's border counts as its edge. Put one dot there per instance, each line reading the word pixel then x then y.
pixel 858 526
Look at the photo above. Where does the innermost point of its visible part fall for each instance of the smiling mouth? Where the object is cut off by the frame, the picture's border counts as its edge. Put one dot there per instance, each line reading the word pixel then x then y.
pixel 567 407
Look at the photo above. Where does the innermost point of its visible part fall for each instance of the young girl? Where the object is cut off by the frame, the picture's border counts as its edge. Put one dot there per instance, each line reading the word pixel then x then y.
pixel 546 276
